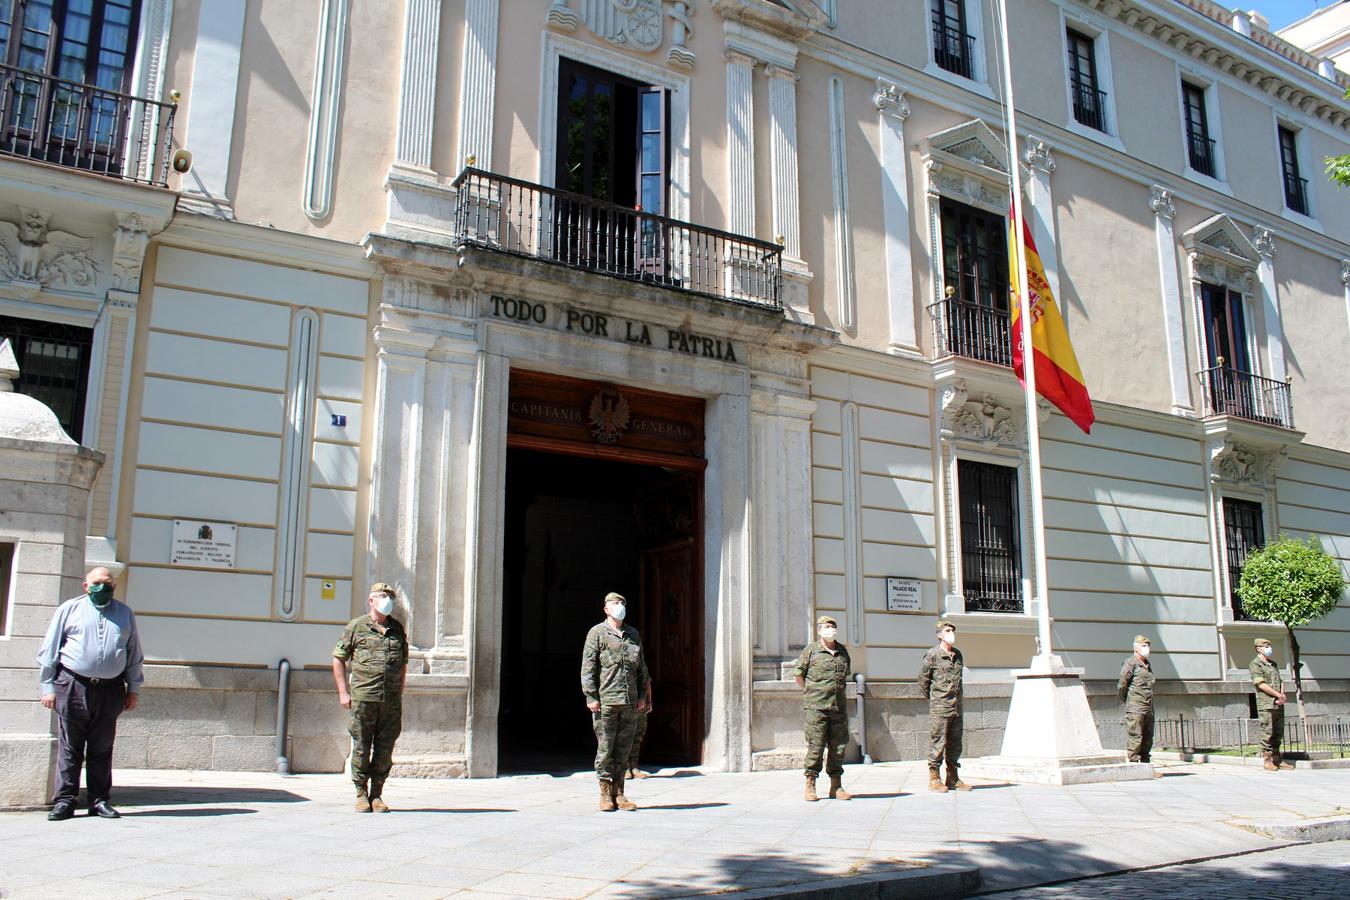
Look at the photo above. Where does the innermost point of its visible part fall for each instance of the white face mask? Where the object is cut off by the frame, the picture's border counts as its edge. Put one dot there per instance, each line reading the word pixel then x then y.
pixel 617 610
pixel 828 632
pixel 385 605
pixel 1142 650
pixel 1268 651
pixel 948 636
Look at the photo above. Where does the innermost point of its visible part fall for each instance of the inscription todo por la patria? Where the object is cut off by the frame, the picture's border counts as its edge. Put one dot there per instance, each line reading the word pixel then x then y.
pixel 610 327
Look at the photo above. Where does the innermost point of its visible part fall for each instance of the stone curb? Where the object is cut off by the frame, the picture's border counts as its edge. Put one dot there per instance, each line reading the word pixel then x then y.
pixel 1252 761
pixel 938 881
pixel 1313 831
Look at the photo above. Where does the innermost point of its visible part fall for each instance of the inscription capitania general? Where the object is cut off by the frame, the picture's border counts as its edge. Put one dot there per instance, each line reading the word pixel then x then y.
pixel 609 327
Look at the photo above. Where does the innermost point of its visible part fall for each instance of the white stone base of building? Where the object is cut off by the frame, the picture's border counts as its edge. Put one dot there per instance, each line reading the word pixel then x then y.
pixel 26 763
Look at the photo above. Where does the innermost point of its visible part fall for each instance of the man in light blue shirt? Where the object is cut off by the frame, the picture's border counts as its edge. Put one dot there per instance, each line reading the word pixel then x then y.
pixel 90 672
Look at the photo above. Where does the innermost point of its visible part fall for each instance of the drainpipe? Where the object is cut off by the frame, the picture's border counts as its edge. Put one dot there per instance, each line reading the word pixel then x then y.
pixel 283 714
pixel 861 681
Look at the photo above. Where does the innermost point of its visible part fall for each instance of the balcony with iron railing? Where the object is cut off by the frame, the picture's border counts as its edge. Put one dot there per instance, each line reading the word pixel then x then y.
pixel 508 215
pixel 1230 392
pixel 1089 106
pixel 1201 154
pixel 85 127
pixel 1296 193
pixel 953 49
pixel 972 331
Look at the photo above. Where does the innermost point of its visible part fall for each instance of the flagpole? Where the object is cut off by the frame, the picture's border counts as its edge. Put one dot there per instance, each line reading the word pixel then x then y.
pixel 1040 591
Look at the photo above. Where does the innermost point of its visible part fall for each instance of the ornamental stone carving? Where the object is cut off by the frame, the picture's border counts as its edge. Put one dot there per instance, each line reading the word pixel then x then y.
pixel 633 24
pixel 1264 241
pixel 1038 155
pixel 1345 272
pixel 989 421
pixel 1240 463
pixel 890 100
pixel 1160 200
pixel 129 242
pixel 33 257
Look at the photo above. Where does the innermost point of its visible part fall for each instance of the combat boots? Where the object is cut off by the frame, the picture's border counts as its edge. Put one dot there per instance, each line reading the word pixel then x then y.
pixel 1280 763
pixel 837 791
pixel 811 788
pixel 620 799
pixel 607 797
pixel 935 781
pixel 362 799
pixel 635 772
pixel 1269 764
pixel 954 782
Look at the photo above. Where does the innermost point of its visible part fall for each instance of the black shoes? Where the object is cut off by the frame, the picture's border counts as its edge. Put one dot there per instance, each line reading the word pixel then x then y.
pixel 104 810
pixel 61 810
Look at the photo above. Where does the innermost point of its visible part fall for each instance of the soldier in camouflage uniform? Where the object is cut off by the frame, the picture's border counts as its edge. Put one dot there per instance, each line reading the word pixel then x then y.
pixel 377 648
pixel 617 686
pixel 822 672
pixel 1135 689
pixel 940 682
pixel 1269 704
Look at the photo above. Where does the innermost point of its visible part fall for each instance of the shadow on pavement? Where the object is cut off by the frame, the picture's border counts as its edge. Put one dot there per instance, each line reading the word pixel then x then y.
pixel 681 805
pixel 878 796
pixel 1232 879
pixel 451 809
pixel 190 812
pixel 199 794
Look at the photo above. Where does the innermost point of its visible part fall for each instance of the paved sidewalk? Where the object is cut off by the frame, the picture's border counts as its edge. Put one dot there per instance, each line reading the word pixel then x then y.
pixel 1309 871
pixel 204 834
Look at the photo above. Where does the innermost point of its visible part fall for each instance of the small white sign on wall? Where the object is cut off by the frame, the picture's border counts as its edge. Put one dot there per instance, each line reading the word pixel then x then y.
pixel 904 594
pixel 209 545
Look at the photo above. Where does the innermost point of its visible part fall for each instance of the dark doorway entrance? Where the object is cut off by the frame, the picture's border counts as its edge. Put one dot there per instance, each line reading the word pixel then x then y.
pixel 577 528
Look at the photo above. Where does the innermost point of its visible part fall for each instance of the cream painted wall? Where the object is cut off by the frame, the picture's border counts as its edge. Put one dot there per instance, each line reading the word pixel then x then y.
pixel 1315 339
pixel 1314 499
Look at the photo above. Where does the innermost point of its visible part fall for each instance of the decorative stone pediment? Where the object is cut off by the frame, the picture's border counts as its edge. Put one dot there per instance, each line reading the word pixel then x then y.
pixel 791 19
pixel 1220 241
pixel 984 417
pixel 1240 463
pixel 969 163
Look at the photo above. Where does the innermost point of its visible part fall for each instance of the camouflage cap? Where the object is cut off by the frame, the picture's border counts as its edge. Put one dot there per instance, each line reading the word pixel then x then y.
pixel 381 587
pixel 1262 642
pixel 613 597
pixel 1140 639
pixel 824 620
pixel 943 623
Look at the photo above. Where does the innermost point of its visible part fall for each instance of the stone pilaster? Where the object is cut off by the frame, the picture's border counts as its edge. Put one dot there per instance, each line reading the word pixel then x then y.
pixel 478 82
pixel 740 144
pixel 1264 241
pixel 417 91
pixel 780 438
pixel 783 160
pixel 893 109
pixel 1164 211
pixel 1041 161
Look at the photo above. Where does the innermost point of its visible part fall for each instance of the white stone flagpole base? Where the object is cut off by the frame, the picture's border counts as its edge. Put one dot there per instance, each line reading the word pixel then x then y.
pixel 1051 737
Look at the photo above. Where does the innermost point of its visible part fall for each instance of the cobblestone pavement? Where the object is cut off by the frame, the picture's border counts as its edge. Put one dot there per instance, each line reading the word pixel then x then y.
pixel 209 834
pixel 1312 871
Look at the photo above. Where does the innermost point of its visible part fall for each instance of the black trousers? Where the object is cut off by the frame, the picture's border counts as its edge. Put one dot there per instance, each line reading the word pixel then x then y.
pixel 87 714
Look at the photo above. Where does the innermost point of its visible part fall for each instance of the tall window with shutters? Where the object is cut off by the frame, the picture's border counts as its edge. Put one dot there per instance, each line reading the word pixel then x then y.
pixel 1295 185
pixel 991 552
pixel 1089 100
pixel 1201 148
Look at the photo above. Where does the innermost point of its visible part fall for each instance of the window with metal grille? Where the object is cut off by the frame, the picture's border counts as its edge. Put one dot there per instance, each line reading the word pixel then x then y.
pixel 991 553
pixel 1199 145
pixel 1089 100
pixel 1244 531
pixel 953 44
pixel 975 275
pixel 53 366
pixel 66 65
pixel 1295 187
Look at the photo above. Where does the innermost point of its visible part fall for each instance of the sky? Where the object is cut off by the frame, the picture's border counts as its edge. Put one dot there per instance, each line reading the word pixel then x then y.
pixel 1283 12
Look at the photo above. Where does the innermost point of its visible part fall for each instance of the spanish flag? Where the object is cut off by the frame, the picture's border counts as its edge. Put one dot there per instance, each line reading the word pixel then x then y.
pixel 1058 378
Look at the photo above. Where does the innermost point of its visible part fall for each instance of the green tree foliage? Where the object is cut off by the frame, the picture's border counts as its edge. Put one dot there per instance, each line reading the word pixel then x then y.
pixel 1292 582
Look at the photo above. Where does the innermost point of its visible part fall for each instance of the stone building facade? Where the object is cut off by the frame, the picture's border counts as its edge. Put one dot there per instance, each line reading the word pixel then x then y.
pixel 711 311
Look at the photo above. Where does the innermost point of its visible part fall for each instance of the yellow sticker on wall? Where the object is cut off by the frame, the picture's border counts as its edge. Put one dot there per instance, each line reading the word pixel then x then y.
pixel 328 591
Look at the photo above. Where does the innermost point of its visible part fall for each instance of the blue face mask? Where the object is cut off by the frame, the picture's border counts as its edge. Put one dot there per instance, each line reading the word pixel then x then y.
pixel 100 594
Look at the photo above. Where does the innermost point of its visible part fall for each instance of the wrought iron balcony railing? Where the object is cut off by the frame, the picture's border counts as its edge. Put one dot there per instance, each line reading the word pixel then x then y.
pixel 972 330
pixel 1202 155
pixel 953 49
pixel 1296 193
pixel 1089 106
pixel 82 126
pixel 1229 392
pixel 525 219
